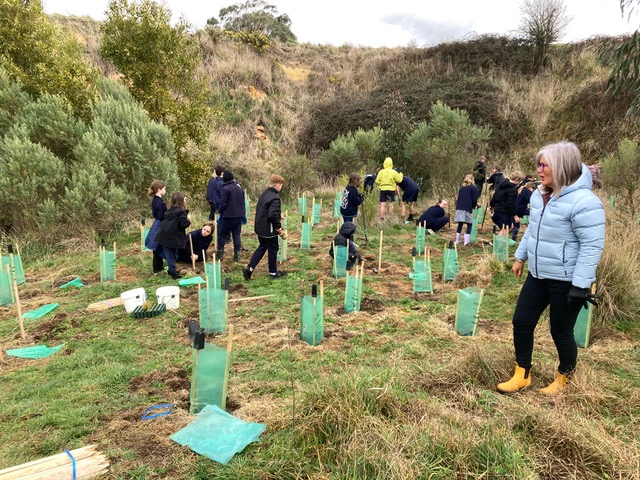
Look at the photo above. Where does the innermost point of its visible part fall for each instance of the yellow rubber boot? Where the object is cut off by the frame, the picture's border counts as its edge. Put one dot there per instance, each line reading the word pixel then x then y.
pixel 521 379
pixel 558 385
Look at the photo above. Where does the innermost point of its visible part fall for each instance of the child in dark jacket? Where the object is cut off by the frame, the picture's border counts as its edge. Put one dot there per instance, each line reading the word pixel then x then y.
pixel 213 191
pixel 158 209
pixel 434 217
pixel 351 199
pixel 201 240
pixel 172 235
pixel 232 214
pixel 344 237
pixel 522 206
pixel 467 201
pixel 503 201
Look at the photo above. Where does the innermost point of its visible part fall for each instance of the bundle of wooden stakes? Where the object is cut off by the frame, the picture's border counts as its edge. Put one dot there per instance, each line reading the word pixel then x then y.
pixel 89 463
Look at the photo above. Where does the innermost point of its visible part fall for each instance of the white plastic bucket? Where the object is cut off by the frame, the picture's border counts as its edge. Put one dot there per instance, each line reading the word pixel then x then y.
pixel 170 296
pixel 133 298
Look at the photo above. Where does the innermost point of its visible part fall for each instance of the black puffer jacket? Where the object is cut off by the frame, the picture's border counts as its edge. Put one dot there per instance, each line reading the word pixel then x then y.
pixel 172 228
pixel 268 214
pixel 504 200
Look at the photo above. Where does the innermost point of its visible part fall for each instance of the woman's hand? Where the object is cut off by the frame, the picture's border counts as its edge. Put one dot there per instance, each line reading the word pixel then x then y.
pixel 517 268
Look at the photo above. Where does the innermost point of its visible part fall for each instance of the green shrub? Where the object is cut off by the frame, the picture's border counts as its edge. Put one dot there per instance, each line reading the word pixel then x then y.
pixel 299 176
pixel 341 157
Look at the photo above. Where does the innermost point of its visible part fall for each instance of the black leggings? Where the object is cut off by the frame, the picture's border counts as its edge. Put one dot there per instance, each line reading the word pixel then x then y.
pixel 534 297
pixel 460 224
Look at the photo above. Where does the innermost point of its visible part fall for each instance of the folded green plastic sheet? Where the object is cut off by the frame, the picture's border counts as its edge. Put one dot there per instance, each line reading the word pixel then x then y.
pixel 213 304
pixel 15 265
pixel 76 282
pixel 209 377
pixel 420 239
pixel 501 247
pixel 35 352
pixel 340 261
pixel 6 288
pixel 40 312
pixel 218 435
pixel 305 240
pixel 107 266
pixel 582 329
pixel 312 319
pixel 143 235
pixel 213 273
pixel 422 277
pixel 186 282
pixel 468 310
pixel 450 264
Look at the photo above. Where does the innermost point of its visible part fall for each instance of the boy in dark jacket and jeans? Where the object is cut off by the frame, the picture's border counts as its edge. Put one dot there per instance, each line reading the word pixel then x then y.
pixel 213 191
pixel 267 227
pixel 232 212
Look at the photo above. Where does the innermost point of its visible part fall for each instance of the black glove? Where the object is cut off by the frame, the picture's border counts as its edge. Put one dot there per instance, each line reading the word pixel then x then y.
pixel 581 296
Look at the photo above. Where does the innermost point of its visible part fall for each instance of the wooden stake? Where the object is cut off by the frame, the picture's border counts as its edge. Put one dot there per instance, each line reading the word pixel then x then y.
pixel 322 288
pixel 193 262
pixel 380 253
pixel 215 235
pixel 246 299
pixel 338 227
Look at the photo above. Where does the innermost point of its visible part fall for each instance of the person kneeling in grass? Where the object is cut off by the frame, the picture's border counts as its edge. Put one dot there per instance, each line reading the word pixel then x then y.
pixel 200 239
pixel 344 237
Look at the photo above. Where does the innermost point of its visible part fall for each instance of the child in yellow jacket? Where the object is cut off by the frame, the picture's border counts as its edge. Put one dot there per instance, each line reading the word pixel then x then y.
pixel 387 181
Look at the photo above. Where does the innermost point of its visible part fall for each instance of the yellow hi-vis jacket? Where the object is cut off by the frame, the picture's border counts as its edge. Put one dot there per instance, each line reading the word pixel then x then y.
pixel 388 178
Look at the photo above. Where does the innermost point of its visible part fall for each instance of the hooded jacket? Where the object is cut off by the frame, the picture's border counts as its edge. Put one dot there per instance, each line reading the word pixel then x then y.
pixel 565 237
pixel 231 200
pixel 350 201
pixel 346 232
pixel 388 178
pixel 268 213
pixel 504 199
pixel 172 228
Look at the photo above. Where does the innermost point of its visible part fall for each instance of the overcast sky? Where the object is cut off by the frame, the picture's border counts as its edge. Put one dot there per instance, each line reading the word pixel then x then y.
pixel 391 23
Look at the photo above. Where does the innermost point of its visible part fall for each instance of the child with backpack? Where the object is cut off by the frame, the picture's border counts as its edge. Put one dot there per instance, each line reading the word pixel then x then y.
pixel 351 199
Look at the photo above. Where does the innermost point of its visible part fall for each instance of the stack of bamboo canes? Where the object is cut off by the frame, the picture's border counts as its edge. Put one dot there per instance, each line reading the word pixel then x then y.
pixel 89 463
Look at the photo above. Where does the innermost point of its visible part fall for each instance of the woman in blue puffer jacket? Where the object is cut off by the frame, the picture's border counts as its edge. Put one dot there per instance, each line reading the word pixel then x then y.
pixel 563 245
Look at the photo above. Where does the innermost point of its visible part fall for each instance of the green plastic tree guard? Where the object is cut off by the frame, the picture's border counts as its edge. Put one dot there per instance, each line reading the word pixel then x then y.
pixel 107 265
pixel 524 220
pixel 582 329
pixel 213 306
pixel 450 266
pixel 302 205
pixel 317 213
pixel 209 377
pixel 421 231
pixel 312 319
pixel 468 310
pixel 213 273
pixel 6 288
pixel 422 276
pixel 283 250
pixel 247 207
pixel 15 267
pixel 336 205
pixel 352 293
pixel 143 235
pixel 501 247
pixel 341 254
pixel 305 239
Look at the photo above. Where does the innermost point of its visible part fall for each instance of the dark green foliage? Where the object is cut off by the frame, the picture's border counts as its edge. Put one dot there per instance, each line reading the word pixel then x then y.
pixel 299 175
pixel 397 123
pixel 255 16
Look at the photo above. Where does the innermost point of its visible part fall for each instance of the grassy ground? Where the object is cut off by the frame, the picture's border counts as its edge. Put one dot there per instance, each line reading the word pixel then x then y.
pixel 391 392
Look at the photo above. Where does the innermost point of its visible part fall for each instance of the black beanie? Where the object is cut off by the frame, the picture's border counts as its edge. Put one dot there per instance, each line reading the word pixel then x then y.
pixel 227 177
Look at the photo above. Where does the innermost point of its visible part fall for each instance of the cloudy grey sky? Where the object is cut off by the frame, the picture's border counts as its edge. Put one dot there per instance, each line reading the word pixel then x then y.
pixel 391 23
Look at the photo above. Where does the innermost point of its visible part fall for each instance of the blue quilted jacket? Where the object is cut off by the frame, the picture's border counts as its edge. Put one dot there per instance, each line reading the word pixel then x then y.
pixel 565 238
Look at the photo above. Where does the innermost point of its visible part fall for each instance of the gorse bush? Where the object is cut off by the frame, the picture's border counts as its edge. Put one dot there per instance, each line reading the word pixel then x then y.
pixel 59 171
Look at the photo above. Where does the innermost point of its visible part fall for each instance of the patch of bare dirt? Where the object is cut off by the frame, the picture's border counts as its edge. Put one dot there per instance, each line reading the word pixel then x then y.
pixel 175 385
pixel 49 330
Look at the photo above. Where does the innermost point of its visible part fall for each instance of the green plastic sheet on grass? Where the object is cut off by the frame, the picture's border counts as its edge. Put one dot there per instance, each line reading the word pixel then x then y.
pixel 213 306
pixel 450 266
pixel 305 239
pixel 341 255
pixel 187 282
pixel 283 250
pixel 352 294
pixel 312 319
pixel 76 282
pixel 40 312
pixel 422 276
pixel 420 238
pixel 15 267
pixel 218 435
pixel 35 352
pixel 582 329
pixel 501 247
pixel 302 205
pixel 316 213
pixel 213 274
pixel 209 377
pixel 107 265
pixel 6 288
pixel 467 311
pixel 143 234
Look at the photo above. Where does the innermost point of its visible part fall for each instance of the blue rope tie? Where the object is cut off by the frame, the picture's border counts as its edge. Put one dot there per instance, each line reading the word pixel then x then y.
pixel 73 463
pixel 168 406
